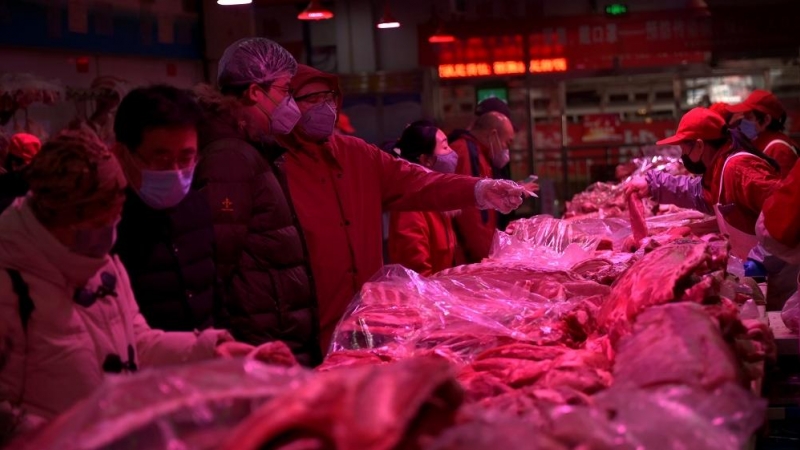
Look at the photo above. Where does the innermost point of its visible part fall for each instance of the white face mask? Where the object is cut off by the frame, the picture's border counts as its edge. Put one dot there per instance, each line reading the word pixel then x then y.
pixel 446 163
pixel 500 155
pixel 162 189
pixel 285 115
pixel 319 121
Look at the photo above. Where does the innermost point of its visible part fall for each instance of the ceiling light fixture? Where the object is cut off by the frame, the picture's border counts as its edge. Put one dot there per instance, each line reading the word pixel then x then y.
pixel 315 11
pixel 234 2
pixel 388 20
pixel 441 36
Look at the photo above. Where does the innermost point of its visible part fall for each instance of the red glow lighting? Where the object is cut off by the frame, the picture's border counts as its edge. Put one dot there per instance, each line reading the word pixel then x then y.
pixel 315 11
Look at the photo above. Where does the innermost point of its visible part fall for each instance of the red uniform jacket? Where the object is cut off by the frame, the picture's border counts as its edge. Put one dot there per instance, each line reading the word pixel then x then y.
pixel 749 181
pixel 340 190
pixel 774 145
pixel 422 241
pixel 782 211
pixel 474 228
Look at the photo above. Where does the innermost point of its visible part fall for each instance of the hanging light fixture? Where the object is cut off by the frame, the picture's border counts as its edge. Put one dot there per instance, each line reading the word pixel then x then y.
pixel 441 36
pixel 388 20
pixel 234 2
pixel 315 11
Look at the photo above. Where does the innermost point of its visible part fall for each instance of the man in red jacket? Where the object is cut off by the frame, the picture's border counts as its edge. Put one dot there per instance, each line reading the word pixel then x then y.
pixel 340 186
pixel 763 119
pixel 481 153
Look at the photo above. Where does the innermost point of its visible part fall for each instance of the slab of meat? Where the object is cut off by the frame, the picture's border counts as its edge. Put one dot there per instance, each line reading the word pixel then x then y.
pixel 658 277
pixel 638 224
pixel 368 408
pixel 523 351
pixel 353 358
pixel 514 372
pixel 675 344
pixel 493 432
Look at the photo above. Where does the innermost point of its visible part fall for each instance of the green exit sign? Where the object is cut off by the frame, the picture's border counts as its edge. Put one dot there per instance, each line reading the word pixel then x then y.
pixel 617 9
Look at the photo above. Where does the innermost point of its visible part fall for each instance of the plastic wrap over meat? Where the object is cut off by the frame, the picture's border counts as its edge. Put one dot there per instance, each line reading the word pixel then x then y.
pixel 191 407
pixel 546 242
pixel 459 313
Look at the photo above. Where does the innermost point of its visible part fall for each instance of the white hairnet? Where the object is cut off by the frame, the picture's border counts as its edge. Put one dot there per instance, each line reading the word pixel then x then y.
pixel 254 61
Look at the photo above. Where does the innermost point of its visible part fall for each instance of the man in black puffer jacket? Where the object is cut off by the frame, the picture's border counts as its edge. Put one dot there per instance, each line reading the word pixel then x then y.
pixel 165 237
pixel 261 253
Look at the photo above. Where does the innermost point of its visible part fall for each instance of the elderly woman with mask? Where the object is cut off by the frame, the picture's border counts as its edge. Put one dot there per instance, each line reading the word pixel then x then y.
pixel 66 306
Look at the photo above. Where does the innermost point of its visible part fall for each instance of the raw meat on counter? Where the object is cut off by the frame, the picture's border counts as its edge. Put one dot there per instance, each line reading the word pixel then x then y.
pixel 368 407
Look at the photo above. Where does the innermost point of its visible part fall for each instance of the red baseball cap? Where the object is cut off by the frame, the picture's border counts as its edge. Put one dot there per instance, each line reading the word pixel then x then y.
pixel 762 101
pixel 699 123
pixel 24 146
pixel 343 124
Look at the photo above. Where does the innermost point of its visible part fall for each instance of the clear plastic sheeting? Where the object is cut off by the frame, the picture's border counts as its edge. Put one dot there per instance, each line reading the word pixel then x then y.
pixel 188 407
pixel 458 314
pixel 672 417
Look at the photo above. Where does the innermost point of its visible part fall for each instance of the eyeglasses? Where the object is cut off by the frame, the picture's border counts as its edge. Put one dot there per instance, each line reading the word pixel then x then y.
pixel 169 162
pixel 318 97
pixel 286 89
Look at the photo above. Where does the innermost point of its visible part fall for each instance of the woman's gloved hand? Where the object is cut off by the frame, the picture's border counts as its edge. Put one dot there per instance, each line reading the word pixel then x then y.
pixel 502 195
pixel 639 187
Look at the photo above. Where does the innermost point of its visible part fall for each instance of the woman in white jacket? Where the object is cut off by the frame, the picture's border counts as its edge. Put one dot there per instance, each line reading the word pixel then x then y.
pixel 66 307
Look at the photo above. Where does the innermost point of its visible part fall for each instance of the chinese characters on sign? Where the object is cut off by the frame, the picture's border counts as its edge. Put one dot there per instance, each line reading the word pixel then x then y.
pixel 502 68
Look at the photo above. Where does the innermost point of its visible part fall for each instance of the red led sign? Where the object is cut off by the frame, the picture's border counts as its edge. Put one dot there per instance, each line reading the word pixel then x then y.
pixel 502 68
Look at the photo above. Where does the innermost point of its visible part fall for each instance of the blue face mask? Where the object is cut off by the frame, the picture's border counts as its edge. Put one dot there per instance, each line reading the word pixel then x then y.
pixel 749 128
pixel 162 189
pixel 446 163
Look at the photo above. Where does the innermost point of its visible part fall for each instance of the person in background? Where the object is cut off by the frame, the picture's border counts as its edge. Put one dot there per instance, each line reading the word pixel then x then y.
pixel 67 306
pixel 481 152
pixel 108 92
pixel 736 177
pixel 485 106
pixel 778 229
pixel 424 241
pixel 340 185
pixel 762 118
pixel 261 253
pixel 165 238
pixel 21 150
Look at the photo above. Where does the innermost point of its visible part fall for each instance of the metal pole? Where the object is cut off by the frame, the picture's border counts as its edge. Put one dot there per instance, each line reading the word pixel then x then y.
pixel 307 41
pixel 562 93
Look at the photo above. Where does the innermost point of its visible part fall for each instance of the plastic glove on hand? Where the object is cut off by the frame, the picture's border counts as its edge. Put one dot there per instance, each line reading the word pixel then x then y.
pixel 637 186
pixel 501 195
pixel 530 185
pixel 276 353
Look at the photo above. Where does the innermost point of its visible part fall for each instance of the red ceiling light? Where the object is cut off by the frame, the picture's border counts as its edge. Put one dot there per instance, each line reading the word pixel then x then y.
pixel 441 36
pixel 388 20
pixel 315 11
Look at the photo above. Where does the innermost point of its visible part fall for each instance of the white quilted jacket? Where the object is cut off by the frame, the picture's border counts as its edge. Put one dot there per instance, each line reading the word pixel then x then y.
pixel 59 360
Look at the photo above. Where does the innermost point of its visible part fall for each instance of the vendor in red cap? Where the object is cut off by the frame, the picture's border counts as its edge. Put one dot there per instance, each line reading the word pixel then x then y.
pixel 736 177
pixel 762 120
